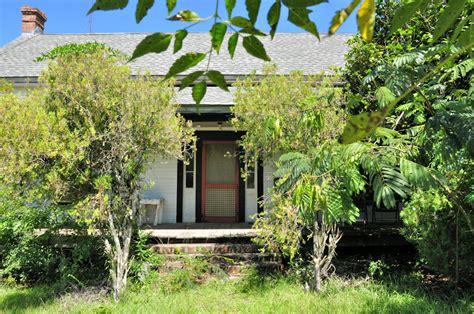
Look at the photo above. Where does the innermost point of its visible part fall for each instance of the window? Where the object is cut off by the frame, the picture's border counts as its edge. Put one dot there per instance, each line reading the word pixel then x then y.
pixel 250 180
pixel 189 173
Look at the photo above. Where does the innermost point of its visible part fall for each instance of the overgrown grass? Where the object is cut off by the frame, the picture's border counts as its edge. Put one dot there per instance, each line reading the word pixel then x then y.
pixel 250 294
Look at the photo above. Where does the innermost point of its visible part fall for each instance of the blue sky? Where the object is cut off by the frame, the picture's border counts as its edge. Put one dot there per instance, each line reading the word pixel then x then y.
pixel 69 16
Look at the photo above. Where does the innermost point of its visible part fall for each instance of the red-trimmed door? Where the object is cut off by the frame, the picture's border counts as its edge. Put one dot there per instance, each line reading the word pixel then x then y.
pixel 220 181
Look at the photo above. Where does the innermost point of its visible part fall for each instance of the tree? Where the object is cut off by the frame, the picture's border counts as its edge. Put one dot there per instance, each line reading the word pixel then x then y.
pixel 85 137
pixel 300 118
pixel 436 118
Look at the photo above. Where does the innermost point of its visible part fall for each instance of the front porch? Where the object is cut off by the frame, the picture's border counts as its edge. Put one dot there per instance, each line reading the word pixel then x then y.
pixel 357 235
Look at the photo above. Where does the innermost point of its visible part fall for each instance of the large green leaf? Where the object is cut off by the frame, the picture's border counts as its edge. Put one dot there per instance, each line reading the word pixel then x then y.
pixel 217 35
pixel 252 31
pixel 232 44
pixel 185 62
pixel 386 183
pixel 302 3
pixel 170 5
pixel 157 42
pixel 199 90
pixel 142 9
pixel 447 17
pixel 229 6
pixel 255 48
pixel 366 19
pixel 190 78
pixel 179 36
pixel 300 18
pixel 416 174
pixel 105 5
pixel 460 28
pixel 405 13
pixel 241 21
pixel 273 17
pixel 185 16
pixel 363 124
pixel 217 78
pixel 252 6
pixel 384 96
pixel 341 16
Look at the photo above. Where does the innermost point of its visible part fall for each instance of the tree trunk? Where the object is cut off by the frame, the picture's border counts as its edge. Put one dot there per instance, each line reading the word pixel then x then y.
pixel 317 275
pixel 325 239
pixel 117 247
pixel 317 257
pixel 119 253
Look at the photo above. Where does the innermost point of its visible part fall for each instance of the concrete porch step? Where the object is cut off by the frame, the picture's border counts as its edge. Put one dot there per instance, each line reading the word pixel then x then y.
pixel 205 248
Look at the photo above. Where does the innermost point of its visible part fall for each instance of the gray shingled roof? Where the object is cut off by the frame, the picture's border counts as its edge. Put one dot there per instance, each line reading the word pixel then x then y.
pixel 290 51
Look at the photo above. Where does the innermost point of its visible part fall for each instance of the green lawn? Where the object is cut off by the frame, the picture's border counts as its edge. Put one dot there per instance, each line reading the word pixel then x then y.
pixel 244 296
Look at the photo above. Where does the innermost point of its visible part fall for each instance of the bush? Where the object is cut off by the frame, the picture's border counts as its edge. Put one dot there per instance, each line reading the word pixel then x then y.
pixel 430 223
pixel 32 250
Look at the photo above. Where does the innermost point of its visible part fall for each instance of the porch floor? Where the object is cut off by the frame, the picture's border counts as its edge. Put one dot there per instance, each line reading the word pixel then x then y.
pixel 355 235
pixel 201 230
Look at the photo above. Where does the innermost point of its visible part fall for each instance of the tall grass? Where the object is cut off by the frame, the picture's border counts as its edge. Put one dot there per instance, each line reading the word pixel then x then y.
pixel 250 294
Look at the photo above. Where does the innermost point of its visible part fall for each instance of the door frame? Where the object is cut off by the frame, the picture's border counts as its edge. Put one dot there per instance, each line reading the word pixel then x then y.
pixel 219 136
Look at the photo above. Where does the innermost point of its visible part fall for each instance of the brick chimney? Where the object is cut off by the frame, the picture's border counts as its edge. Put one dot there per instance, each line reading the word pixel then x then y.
pixel 32 20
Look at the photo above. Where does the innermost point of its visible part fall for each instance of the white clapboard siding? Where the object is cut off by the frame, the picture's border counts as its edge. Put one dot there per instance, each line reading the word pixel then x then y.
pixel 162 173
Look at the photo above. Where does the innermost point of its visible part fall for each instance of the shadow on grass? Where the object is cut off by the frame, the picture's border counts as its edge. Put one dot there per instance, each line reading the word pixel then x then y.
pixel 16 299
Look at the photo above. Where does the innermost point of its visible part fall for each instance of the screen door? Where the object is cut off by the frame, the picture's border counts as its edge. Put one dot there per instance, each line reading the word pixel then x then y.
pixel 220 181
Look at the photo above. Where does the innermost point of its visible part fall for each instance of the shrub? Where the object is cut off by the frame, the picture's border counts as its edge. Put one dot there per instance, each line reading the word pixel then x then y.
pixel 32 251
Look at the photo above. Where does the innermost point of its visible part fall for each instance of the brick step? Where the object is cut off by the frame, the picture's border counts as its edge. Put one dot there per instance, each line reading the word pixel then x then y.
pixel 205 248
pixel 230 258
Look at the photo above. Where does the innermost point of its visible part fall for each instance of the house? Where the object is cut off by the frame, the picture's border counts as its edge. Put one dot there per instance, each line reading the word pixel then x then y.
pixel 210 188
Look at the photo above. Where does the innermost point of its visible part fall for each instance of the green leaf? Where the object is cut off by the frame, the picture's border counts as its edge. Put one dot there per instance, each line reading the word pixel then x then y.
pixel 302 3
pixel 190 78
pixel 447 17
pixel 199 90
pixel 460 28
pixel 255 48
pixel 273 17
pixel 384 96
pixel 300 18
pixel 179 36
pixel 363 124
pixel 232 44
pixel 170 5
pixel 217 35
pixel 157 42
pixel 185 62
pixel 465 39
pixel 416 174
pixel 366 19
pixel 341 16
pixel 142 9
pixel 185 16
pixel 252 31
pixel 241 21
pixel 105 5
pixel 229 6
pixel 252 6
pixel 405 13
pixel 217 78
